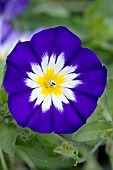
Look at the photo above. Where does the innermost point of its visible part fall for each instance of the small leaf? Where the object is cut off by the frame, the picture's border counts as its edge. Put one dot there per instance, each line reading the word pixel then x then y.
pixel 33 148
pixel 110 94
pixel 2 65
pixel 52 139
pixel 3 96
pixel 103 103
pixel 91 131
pixel 8 134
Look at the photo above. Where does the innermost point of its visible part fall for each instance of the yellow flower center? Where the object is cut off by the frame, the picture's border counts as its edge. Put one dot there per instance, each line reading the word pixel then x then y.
pixel 51 83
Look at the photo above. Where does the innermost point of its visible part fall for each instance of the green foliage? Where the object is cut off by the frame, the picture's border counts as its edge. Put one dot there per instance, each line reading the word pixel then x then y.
pixel 2 65
pixel 8 134
pixel 33 148
pixel 92 131
pixel 110 94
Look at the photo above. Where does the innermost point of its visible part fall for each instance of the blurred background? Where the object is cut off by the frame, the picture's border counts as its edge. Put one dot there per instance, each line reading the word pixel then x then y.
pixel 92 21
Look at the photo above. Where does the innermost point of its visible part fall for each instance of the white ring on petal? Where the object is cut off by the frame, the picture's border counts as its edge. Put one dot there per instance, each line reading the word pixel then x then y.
pixel 67 70
pixel 46 103
pixel 44 62
pixel 30 83
pixel 37 69
pixel 69 94
pixel 43 77
pixel 57 102
pixel 71 84
pixel 34 94
pixel 60 63
pixel 40 99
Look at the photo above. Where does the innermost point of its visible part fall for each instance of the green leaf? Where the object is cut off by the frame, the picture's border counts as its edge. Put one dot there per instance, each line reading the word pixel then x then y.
pixel 103 103
pixel 51 140
pixel 33 148
pixel 2 64
pixel 8 134
pixel 96 115
pixel 110 94
pixel 91 131
pixel 54 163
pixel 3 96
pixel 90 153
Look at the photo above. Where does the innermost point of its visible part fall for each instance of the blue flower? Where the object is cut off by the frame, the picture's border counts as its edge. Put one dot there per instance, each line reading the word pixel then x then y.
pixel 53 82
pixel 9 36
pixel 11 8
pixel 8 39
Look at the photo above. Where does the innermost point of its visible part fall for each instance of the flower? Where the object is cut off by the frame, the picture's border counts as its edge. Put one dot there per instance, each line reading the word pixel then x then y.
pixel 28 34
pixel 8 39
pixel 11 8
pixel 10 36
pixel 53 82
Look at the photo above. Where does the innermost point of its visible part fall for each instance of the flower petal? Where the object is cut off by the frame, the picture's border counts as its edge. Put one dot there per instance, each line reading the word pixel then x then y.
pixel 67 121
pixel 59 63
pixel 85 59
pixel 14 7
pixel 40 99
pixel 37 69
pixel 71 76
pixel 85 104
pixel 63 99
pixel 51 63
pixel 20 107
pixel 94 81
pixel 75 114
pixel 14 80
pixel 41 122
pixel 56 40
pixel 57 103
pixel 34 94
pixel 24 55
pixel 30 83
pixel 32 76
pixel 71 83
pixel 68 69
pixel 8 38
pixel 44 62
pixel 46 104
pixel 69 94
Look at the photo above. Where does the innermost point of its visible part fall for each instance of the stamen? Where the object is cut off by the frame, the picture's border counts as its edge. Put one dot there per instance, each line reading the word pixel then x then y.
pixel 52 83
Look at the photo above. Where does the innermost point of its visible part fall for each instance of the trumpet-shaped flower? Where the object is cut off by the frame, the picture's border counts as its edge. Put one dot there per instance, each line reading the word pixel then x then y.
pixel 8 38
pixel 11 8
pixel 53 82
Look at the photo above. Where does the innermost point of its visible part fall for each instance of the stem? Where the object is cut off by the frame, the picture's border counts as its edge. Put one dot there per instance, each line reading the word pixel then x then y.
pixel 84 158
pixel 4 166
pixel 11 162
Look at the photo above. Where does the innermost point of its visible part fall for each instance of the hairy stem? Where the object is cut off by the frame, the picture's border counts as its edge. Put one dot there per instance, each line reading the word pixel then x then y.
pixel 3 162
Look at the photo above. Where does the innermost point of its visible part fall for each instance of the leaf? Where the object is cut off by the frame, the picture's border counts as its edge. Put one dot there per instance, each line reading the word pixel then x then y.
pixel 51 9
pixel 2 64
pixel 103 103
pixel 33 148
pixel 110 94
pixel 90 153
pixel 91 131
pixel 52 139
pixel 3 96
pixel 54 163
pixel 8 134
pixel 96 115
